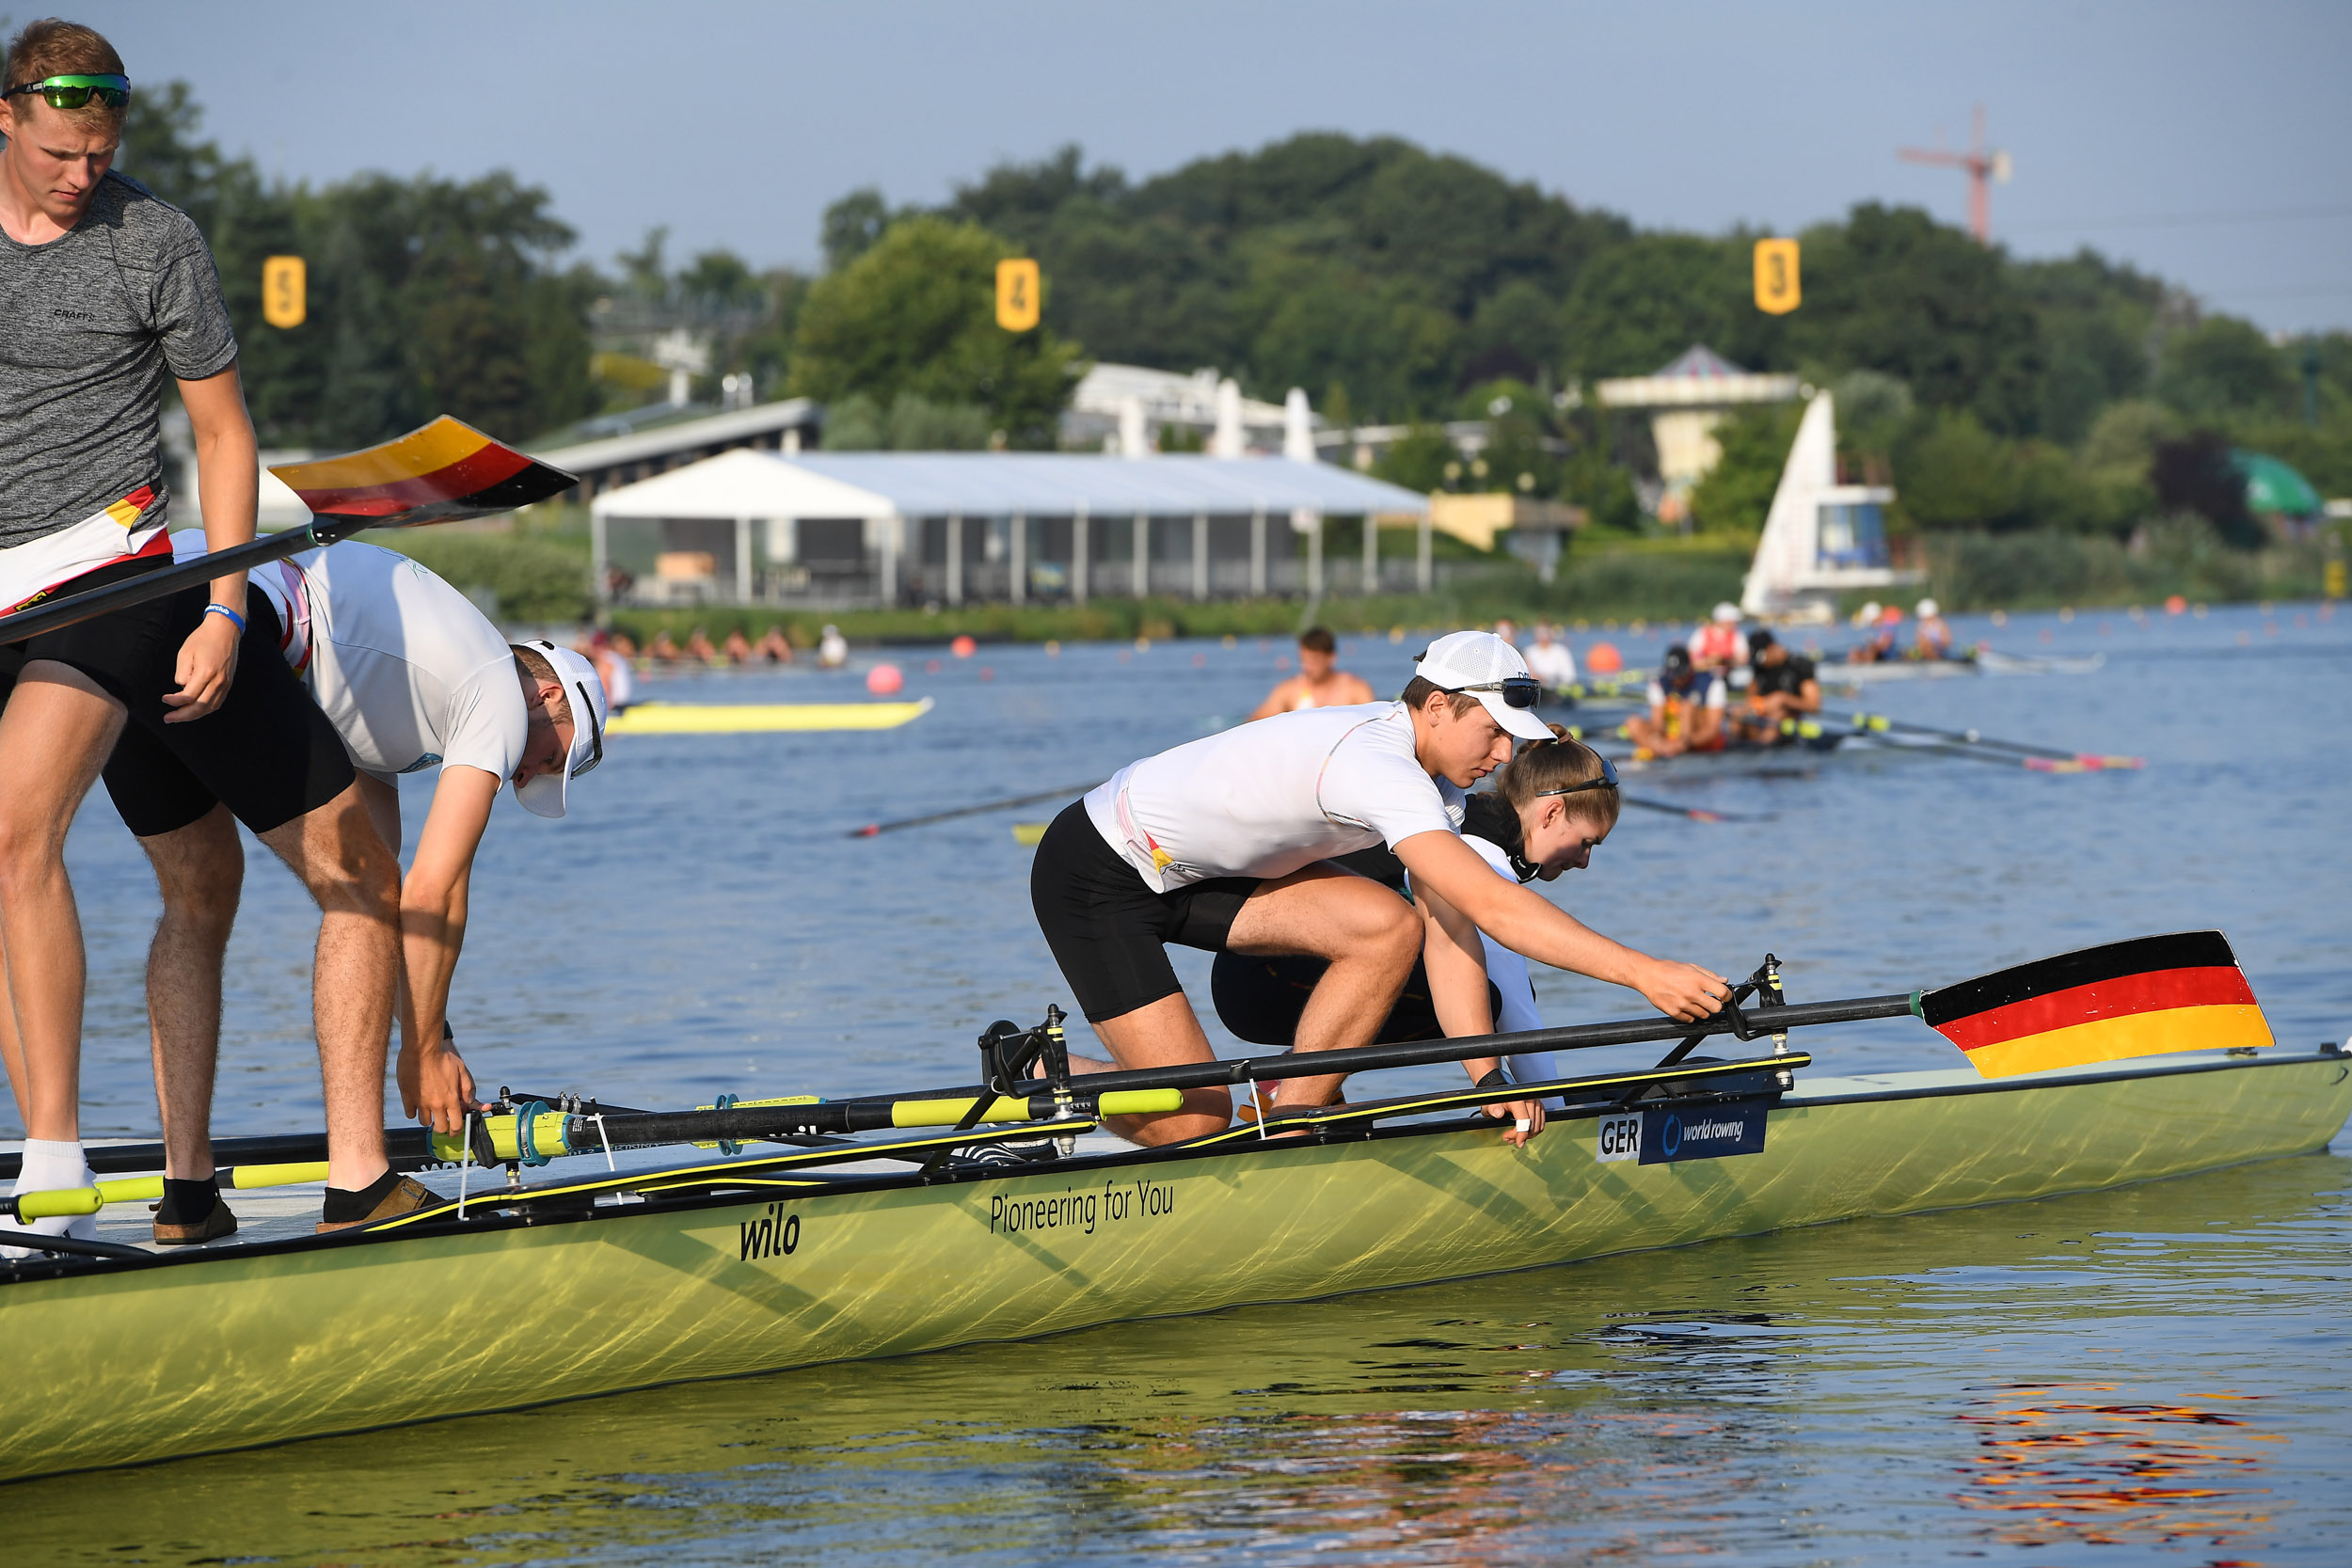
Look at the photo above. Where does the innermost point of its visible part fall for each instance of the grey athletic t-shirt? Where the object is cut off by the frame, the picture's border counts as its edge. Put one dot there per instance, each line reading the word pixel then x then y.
pixel 90 324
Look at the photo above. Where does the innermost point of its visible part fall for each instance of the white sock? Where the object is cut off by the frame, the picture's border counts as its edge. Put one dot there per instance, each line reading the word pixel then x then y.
pixel 51 1163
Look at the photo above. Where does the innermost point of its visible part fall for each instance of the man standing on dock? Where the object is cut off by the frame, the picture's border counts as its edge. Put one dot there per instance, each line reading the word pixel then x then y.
pixel 106 291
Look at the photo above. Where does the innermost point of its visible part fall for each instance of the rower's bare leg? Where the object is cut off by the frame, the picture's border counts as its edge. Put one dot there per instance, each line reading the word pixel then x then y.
pixel 1371 938
pixel 339 856
pixel 199 870
pixel 55 733
pixel 383 802
pixel 1161 1034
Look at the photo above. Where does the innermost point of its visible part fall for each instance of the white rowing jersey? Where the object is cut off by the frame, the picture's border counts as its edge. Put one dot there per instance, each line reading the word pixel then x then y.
pixel 1265 798
pixel 409 672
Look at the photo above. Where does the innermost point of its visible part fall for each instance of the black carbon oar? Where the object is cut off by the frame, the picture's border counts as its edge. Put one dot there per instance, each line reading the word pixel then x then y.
pixel 874 829
pixel 441 473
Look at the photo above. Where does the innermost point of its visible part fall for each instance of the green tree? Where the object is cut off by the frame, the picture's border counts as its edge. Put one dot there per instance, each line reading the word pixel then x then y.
pixel 852 227
pixel 2224 367
pixel 1737 493
pixel 916 314
pixel 1892 290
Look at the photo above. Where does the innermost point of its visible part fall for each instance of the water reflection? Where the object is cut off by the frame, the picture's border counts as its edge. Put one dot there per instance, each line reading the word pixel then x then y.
pixel 2019 1385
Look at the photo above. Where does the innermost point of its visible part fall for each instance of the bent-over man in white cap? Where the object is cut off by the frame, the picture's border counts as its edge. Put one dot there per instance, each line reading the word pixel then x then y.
pixel 412 676
pixel 1225 843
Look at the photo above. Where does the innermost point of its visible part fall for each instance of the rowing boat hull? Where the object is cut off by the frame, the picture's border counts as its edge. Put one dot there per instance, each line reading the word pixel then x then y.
pixel 251 1345
pixel 763 717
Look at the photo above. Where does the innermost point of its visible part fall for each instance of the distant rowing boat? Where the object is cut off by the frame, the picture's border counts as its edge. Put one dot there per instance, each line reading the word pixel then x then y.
pixel 763 717
pixel 1986 661
pixel 616 1278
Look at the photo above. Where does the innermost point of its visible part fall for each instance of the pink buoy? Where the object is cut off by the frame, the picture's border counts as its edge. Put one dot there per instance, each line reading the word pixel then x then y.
pixel 964 647
pixel 884 680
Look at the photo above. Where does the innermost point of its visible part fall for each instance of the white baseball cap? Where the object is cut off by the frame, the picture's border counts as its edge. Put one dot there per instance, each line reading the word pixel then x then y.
pixel 1726 611
pixel 1927 609
pixel 584 689
pixel 1479 662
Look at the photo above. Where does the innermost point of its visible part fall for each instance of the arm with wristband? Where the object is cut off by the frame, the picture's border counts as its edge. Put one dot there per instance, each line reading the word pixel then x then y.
pixel 228 477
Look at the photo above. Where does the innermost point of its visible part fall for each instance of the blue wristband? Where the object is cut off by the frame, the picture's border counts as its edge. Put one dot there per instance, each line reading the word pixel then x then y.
pixel 224 609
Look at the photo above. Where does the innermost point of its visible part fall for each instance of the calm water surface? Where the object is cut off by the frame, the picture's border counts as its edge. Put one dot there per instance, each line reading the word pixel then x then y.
pixel 2151 1373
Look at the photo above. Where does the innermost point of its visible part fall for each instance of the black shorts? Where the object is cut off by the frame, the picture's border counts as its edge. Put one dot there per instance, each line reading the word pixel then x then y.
pixel 1109 931
pixel 268 753
pixel 1261 998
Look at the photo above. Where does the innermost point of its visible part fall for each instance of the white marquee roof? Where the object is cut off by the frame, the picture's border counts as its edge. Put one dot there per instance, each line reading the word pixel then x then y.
pixel 747 483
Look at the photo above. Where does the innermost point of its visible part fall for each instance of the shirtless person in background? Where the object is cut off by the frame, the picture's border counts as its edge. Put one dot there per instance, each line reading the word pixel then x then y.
pixel 1320 681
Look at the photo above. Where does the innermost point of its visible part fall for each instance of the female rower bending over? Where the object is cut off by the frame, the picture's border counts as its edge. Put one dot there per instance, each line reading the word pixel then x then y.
pixel 1226 844
pixel 1550 808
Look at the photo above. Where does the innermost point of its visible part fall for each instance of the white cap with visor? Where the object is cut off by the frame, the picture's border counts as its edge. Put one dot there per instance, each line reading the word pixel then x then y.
pixel 584 690
pixel 1480 664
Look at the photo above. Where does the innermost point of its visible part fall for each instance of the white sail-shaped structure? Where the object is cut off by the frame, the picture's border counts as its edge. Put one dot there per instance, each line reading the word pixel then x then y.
pixel 1820 538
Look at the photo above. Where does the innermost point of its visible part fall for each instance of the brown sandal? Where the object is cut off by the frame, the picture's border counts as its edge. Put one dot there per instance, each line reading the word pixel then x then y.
pixel 406 1197
pixel 212 1227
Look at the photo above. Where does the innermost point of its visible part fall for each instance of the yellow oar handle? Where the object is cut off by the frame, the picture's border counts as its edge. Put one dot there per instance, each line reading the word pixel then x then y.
pixel 147 1189
pixel 949 1113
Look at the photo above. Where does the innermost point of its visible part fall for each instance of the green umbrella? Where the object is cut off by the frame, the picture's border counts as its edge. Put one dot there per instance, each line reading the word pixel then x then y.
pixel 2272 486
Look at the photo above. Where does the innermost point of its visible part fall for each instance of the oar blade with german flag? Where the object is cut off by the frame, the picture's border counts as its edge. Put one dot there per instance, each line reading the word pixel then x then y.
pixel 445 471
pixel 2150 996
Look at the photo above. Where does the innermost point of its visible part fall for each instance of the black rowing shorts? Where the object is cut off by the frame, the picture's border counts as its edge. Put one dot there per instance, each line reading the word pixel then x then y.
pixel 1108 930
pixel 268 753
pixel 1260 998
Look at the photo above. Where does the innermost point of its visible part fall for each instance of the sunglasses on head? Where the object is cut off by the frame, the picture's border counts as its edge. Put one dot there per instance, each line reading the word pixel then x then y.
pixel 1607 780
pixel 587 715
pixel 111 89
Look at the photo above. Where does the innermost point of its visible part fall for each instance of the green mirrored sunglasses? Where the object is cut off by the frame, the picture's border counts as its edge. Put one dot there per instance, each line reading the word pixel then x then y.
pixel 74 92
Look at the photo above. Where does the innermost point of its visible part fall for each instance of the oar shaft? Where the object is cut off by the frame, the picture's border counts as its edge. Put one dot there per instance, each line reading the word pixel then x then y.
pixel 582 1135
pixel 76 608
pixel 873 828
pixel 1578 1037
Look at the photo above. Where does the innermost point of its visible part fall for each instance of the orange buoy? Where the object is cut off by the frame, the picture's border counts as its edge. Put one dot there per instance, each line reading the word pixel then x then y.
pixel 964 647
pixel 1602 659
pixel 2175 605
pixel 884 680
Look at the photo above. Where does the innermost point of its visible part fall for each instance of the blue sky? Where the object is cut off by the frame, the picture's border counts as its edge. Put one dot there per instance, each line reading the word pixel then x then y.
pixel 2206 142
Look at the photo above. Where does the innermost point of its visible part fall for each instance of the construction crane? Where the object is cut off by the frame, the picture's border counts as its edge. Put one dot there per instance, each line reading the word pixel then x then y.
pixel 1984 165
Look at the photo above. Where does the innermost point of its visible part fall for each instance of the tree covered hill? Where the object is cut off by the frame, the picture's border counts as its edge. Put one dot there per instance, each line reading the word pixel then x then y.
pixel 1389 279
pixel 1396 285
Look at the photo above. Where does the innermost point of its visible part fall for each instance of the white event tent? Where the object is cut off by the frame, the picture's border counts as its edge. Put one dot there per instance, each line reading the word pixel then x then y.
pixel 1002 495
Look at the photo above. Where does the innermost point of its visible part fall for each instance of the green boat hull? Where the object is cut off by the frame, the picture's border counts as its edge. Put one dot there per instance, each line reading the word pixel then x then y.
pixel 242 1345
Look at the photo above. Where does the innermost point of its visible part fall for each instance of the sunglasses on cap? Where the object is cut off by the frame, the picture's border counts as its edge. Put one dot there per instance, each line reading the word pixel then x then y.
pixel 112 89
pixel 1518 690
pixel 1607 780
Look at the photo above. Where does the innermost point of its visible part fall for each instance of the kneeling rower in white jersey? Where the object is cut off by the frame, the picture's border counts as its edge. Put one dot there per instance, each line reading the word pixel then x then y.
pixel 412 676
pixel 1224 844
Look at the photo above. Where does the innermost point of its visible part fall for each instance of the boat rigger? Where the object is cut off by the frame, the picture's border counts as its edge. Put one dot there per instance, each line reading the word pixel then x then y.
pixel 614 1278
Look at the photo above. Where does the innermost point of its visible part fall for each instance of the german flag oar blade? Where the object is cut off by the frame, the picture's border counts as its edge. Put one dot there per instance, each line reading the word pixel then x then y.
pixel 446 472
pixel 2150 996
pixel 446 469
